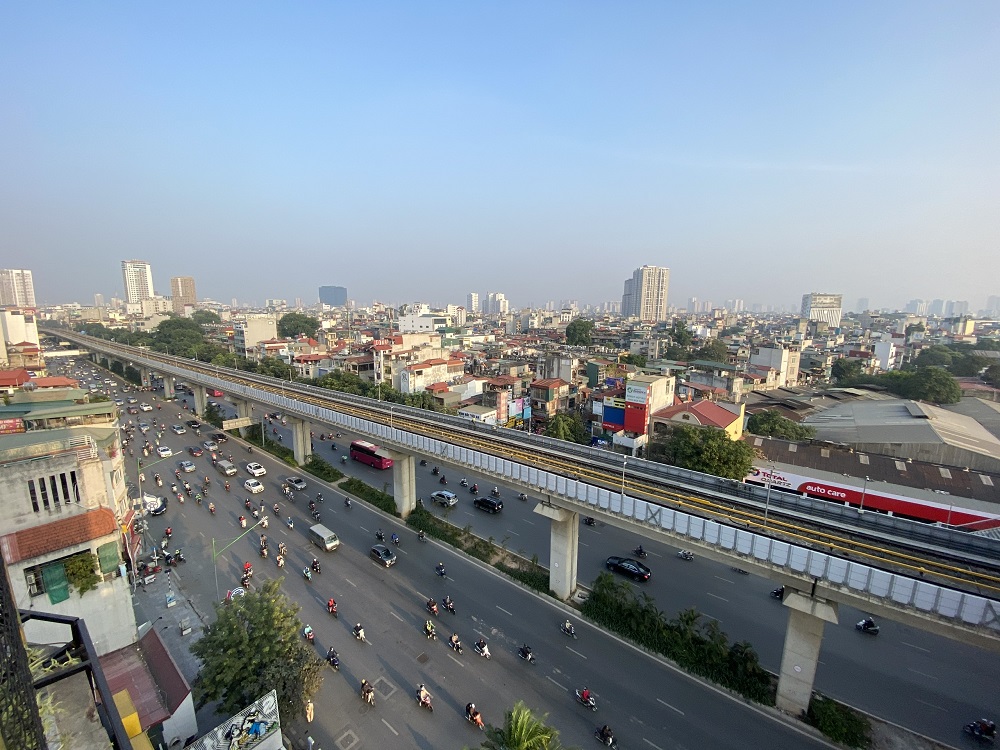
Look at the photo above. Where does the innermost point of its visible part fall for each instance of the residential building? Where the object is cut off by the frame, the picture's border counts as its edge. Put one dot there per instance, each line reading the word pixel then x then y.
pixel 782 358
pixel 472 303
pixel 823 307
pixel 16 287
pixel 138 278
pixel 334 296
pixel 98 300
pixel 888 356
pixel 496 304
pixel 549 397
pixel 415 378
pixel 703 414
pixel 645 294
pixel 182 293
pixel 18 325
pixel 252 329
pixel 423 323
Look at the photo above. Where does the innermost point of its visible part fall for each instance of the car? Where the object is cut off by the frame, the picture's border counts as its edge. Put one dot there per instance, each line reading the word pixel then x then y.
pixel 164 451
pixel 296 483
pixel 253 486
pixel 177 429
pixel 133 410
pixel 143 427
pixel 219 437
pixel 145 407
pixel 118 401
pixel 628 567
pixel 381 553
pixel 155 506
pixel 194 424
pixel 196 451
pixel 444 498
pixel 256 470
pixel 186 466
pixel 489 504
pixel 133 400
pixel 210 445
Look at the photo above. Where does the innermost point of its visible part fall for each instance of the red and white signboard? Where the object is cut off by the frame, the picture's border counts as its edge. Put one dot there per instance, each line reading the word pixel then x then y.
pixel 11 426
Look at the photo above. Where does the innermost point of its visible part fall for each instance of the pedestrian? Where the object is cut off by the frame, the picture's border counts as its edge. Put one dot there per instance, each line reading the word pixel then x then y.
pixel 309 711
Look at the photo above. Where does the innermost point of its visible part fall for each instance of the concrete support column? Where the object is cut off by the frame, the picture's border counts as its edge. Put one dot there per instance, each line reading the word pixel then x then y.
pixel 168 386
pixel 563 546
pixel 144 377
pixel 803 638
pixel 243 410
pixel 200 399
pixel 404 483
pixel 300 439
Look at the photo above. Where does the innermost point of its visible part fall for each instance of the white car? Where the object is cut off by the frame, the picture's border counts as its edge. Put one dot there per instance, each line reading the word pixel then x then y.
pixel 164 451
pixel 256 470
pixel 210 445
pixel 253 486
pixel 178 429
pixel 145 407
pixel 445 498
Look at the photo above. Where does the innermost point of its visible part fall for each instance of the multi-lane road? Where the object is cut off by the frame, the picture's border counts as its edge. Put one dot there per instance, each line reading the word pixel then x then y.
pixel 647 703
pixel 916 679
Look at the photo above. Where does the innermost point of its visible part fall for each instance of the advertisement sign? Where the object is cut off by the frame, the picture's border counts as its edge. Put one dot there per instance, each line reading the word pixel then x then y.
pixel 11 426
pixel 616 402
pixel 636 393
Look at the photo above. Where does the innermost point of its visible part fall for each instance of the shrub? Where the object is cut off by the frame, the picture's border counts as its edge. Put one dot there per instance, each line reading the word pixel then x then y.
pixel 381 500
pixel 839 722
pixel 536 578
pixel 322 469
pixel 81 572
pixel 274 448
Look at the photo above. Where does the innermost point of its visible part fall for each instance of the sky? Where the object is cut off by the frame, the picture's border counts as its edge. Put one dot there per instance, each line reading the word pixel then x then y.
pixel 416 151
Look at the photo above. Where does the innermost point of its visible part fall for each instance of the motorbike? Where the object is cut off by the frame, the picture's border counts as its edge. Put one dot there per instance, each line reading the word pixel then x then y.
pixel 424 702
pixel 778 593
pixel 640 553
pixel 450 606
pixel 474 489
pixel 360 635
pixel 263 522
pixel 522 496
pixel 443 480
pixel 740 571
pixel 347 502
pixel 432 608
pixel 211 508
pixel 421 536
pixel 307 574
pixel 435 471
pixel 423 461
pixel 985 731
pixel 589 702
pixel 367 692
pixel 441 571
pixel 159 482
pixel 607 742
pixel 226 485
pixel 570 631
pixel 456 646
pixel 483 651
pixel 495 492
pixel 247 504
pixel 379 535
pixel 332 609
pixel 395 539
pixel 589 521
pixel 173 489
pixel 315 566
pixel 308 633
pixel 430 634
pixel 868 625
pixel 464 483
pixel 525 653
pixel 343 459
pixel 333 660
pixel 263 552
pixel 475 718
pixel 315 515
pixel 290 523
pixel 686 554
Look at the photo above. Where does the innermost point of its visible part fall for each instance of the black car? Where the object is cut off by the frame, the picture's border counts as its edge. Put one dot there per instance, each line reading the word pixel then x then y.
pixel 628 567
pixel 383 554
pixel 489 504
pixel 219 437
pixel 194 424
pixel 195 450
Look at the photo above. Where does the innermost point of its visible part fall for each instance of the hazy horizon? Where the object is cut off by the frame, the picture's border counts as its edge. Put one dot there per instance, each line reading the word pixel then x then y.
pixel 418 152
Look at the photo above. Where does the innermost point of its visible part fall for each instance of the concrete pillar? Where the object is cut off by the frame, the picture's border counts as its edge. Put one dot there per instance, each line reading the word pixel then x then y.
pixel 404 483
pixel 168 386
pixel 144 378
pixel 803 638
pixel 300 439
pixel 200 399
pixel 563 547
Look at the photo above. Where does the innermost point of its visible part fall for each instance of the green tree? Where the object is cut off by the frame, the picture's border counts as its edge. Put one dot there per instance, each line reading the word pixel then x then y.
pixel 680 335
pixel 633 359
pixel 845 370
pixel 967 365
pixel 933 384
pixel 770 423
pixel 713 351
pixel 933 356
pixel 578 332
pixel 256 645
pixel 567 427
pixel 178 336
pixel 296 324
pixel 705 449
pixel 992 376
pixel 205 317
pixel 522 730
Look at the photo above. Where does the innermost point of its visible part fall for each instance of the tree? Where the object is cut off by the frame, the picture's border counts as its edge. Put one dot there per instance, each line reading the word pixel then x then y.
pixel 845 370
pixel 770 423
pixel 633 359
pixel 933 384
pixel 680 335
pixel 205 317
pixel 522 730
pixel 713 351
pixel 256 645
pixel 578 332
pixel 705 449
pixel 992 376
pixel 933 356
pixel 297 324
pixel 567 427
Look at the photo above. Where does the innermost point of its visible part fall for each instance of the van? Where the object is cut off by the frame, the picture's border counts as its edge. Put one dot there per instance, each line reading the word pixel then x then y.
pixel 323 538
pixel 227 468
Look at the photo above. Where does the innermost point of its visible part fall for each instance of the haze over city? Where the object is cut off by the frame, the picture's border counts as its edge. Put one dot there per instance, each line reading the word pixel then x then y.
pixel 410 151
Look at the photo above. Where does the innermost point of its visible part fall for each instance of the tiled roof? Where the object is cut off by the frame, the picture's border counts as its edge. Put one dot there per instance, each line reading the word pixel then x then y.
pixel 56 381
pixel 707 413
pixel 52 537
pixel 9 378
pixel 549 383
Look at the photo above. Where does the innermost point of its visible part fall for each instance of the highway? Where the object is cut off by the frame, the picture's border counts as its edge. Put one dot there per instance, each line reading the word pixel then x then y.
pixel 905 675
pixel 649 704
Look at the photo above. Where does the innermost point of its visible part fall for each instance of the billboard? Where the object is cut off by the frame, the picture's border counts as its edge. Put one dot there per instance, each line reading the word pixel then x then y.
pixel 636 393
pixel 11 426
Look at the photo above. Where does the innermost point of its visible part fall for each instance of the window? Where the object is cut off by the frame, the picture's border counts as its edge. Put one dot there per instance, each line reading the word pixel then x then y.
pixel 48 579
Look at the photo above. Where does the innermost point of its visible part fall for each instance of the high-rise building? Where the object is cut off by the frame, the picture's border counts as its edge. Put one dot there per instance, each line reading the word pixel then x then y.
pixel 863 304
pixel 955 308
pixel 334 296
pixel 98 300
pixel 993 305
pixel 827 308
pixel 645 294
pixel 138 278
pixel 182 293
pixel 472 303
pixel 496 304
pixel 16 287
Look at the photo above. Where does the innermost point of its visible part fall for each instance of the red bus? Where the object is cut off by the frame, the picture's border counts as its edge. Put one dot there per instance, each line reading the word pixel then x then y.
pixel 367 453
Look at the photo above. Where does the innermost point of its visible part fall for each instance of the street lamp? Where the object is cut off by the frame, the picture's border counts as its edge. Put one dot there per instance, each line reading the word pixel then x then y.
pixel 624 464
pixel 864 490
pixel 391 407
pixel 767 500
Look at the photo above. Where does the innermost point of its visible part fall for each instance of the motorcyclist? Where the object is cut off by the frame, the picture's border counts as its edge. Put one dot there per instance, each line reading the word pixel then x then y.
pixel 475 488
pixel 568 627
pixel 455 643
pixel 211 507
pixel 448 603
pixel 423 696
pixel 395 539
pixel 359 632
pixel 585 695
pixel 429 628
pixel 331 655
pixel 420 535
pixel 315 565
pixel 432 606
pixel 243 522
pixel 440 569
pixel 606 734
pixel 868 623
pixel 307 631
pixel 380 535
pixel 367 690
pixel 482 647
pixel 640 551
pixel 331 605
pixel 496 491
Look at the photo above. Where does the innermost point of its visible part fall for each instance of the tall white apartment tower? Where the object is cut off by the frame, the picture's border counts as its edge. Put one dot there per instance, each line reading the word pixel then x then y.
pixel 16 287
pixel 472 303
pixel 138 278
pixel 823 307
pixel 645 294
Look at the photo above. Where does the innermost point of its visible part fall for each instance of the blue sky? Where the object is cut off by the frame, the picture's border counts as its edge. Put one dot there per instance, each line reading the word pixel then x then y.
pixel 418 151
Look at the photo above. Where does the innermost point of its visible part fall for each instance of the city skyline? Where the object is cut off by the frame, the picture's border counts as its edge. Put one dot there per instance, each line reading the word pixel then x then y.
pixel 446 144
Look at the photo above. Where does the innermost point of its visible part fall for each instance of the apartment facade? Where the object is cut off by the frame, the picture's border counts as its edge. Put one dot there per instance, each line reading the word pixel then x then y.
pixel 17 287
pixel 645 294
pixel 254 328
pixel 182 293
pixel 137 276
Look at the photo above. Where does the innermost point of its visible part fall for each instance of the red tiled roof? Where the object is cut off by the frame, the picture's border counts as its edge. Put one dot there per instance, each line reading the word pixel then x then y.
pixel 549 383
pixel 435 387
pixel 55 381
pixel 52 537
pixel 9 378
pixel 707 413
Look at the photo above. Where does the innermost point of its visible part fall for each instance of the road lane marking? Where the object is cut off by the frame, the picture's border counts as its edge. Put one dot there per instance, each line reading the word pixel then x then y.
pixel 651 744
pixel 576 652
pixel 930 705
pixel 584 544
pixel 396 616
pixel 348 580
pixel 727 580
pixel 561 687
pixel 390 727
pixel 532 523
pixel 712 617
pixel 504 611
pixel 922 674
pixel 364 529
pixel 455 660
pixel 509 531
pixel 715 596
pixel 918 648
pixel 672 708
